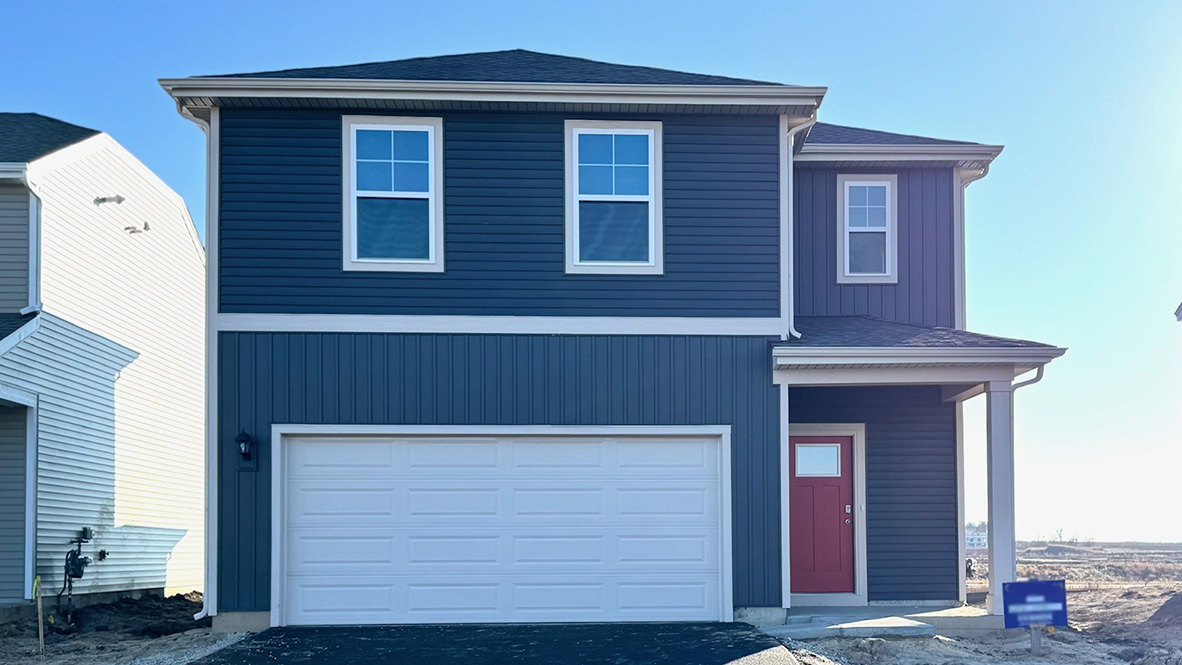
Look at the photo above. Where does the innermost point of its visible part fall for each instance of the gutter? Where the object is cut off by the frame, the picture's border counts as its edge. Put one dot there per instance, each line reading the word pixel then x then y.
pixel 871 152
pixel 870 355
pixel 13 171
pixel 787 220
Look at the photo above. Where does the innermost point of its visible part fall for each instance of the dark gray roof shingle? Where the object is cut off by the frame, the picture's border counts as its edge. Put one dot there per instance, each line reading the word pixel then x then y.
pixel 9 323
pixel 515 66
pixel 867 331
pixel 839 134
pixel 25 137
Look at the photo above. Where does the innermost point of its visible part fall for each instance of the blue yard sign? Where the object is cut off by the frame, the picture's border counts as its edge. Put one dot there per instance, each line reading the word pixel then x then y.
pixel 1035 603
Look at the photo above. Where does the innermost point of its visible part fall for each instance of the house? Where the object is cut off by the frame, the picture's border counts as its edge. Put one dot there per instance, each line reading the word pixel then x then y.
pixel 101 362
pixel 521 337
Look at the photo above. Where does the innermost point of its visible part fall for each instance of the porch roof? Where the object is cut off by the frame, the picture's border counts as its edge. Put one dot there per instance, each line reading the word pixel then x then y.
pixel 868 331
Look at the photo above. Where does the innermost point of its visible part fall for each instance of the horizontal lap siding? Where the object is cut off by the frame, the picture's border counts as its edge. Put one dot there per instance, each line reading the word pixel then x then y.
pixel 924 292
pixel 911 496
pixel 281 222
pixel 268 378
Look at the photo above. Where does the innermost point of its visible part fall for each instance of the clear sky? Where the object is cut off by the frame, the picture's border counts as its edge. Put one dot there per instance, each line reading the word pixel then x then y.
pixel 1074 238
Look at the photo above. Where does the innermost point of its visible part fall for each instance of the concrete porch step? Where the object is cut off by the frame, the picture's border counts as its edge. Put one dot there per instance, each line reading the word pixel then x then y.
pixel 846 626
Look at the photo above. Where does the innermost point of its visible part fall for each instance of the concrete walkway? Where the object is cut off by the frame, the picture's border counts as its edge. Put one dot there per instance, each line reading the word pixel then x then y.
pixel 888 621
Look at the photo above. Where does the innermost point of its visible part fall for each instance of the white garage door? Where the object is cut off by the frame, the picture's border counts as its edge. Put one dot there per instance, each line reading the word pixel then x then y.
pixel 501 529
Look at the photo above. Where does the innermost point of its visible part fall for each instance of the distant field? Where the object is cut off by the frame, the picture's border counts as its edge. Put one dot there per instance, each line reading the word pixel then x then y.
pixel 1092 565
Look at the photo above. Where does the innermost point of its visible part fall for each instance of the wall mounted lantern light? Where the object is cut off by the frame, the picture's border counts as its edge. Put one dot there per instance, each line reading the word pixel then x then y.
pixel 245 443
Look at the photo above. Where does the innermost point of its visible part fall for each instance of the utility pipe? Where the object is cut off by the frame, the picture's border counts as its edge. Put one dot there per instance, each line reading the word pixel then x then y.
pixel 788 280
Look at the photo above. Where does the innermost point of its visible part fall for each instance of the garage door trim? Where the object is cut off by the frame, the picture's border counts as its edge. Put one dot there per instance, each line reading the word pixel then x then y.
pixel 279 434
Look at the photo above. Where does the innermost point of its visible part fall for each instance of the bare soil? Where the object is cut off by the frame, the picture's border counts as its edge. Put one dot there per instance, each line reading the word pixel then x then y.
pixel 1126 607
pixel 144 631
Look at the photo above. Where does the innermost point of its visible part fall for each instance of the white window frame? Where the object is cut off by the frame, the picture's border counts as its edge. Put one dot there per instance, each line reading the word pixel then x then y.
pixel 844 182
pixel 434 194
pixel 656 246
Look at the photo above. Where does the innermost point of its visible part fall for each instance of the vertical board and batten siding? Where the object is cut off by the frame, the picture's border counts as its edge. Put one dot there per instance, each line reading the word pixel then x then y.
pixel 281 221
pixel 911 495
pixel 14 247
pixel 924 292
pixel 269 378
pixel 12 503
pixel 119 367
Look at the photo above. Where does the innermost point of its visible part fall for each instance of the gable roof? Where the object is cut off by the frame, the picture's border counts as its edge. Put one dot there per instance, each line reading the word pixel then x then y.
pixel 25 137
pixel 868 331
pixel 825 133
pixel 513 66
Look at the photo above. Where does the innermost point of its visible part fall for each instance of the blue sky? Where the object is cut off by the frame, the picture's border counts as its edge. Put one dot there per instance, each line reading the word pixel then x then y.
pixel 1073 239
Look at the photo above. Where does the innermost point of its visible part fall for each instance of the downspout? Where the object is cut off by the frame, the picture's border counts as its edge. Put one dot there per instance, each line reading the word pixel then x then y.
pixel 1029 382
pixel 788 279
pixel 965 177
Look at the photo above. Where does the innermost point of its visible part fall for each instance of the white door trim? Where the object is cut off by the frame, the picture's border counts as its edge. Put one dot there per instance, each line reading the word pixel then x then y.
pixel 278 499
pixel 856 431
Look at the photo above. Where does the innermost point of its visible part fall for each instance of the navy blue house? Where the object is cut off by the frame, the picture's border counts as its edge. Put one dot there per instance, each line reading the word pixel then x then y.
pixel 516 337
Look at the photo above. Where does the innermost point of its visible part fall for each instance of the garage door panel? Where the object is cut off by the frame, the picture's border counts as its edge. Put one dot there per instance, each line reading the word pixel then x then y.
pixel 517 528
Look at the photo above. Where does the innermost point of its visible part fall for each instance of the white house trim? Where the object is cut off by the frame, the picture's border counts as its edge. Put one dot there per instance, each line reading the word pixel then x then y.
pixel 947 356
pixel 891 245
pixel 857 431
pixel 482 91
pixel 212 177
pixel 34 254
pixel 962 591
pixel 280 431
pixel 19 334
pixel 975 154
pixel 503 325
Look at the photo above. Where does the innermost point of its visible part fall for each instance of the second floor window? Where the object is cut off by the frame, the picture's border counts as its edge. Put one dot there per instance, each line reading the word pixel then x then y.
pixel 613 207
pixel 867 229
pixel 393 189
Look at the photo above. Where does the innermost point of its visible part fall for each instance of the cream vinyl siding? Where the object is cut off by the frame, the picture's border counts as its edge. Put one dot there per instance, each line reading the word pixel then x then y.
pixel 119 366
pixel 14 247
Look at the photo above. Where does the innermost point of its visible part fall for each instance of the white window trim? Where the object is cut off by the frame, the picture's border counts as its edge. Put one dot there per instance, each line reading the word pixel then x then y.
pixel 844 276
pixel 656 263
pixel 434 129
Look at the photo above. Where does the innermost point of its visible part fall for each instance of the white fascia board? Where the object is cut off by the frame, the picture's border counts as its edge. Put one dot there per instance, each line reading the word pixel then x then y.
pixel 886 356
pixel 13 170
pixel 876 152
pixel 483 91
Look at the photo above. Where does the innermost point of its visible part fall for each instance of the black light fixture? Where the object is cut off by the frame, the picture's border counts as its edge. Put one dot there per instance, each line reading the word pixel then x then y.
pixel 244 444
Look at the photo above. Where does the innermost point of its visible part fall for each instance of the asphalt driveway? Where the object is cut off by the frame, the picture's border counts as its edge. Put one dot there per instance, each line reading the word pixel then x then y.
pixel 537 644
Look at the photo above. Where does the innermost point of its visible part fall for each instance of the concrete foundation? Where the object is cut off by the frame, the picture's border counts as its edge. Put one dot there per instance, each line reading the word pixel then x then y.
pixel 241 622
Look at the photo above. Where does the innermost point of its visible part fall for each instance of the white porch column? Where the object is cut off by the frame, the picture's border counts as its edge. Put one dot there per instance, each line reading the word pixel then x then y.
pixel 1003 567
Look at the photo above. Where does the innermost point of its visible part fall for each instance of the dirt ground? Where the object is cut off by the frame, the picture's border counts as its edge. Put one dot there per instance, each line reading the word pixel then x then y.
pixel 144 631
pixel 1128 610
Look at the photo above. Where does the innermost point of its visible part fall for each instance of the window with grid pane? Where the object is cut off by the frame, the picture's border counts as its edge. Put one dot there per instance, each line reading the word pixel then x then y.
pixel 867 229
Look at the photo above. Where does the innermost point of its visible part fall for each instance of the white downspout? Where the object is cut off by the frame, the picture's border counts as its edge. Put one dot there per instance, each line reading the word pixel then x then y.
pixel 1029 382
pixel 787 217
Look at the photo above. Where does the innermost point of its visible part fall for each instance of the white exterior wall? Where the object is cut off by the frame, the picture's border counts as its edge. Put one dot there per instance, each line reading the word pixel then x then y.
pixel 119 366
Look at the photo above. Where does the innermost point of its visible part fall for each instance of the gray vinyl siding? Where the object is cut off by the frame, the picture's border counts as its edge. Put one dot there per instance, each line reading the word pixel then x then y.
pixel 911 521
pixel 924 292
pixel 281 221
pixel 14 247
pixel 12 503
pixel 268 378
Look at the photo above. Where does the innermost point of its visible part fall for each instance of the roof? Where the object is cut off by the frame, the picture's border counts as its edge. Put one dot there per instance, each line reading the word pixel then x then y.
pixel 10 323
pixel 871 332
pixel 25 137
pixel 825 133
pixel 514 66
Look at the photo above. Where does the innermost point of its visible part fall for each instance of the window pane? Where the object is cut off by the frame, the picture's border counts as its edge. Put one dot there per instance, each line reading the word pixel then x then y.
pixel 632 180
pixel 876 195
pixel 595 149
pixel 867 253
pixel 857 217
pixel 412 177
pixel 393 229
pixel 876 216
pixel 595 180
pixel 373 144
pixel 410 145
pixel 631 149
pixel 857 195
pixel 817 459
pixel 613 231
pixel 373 176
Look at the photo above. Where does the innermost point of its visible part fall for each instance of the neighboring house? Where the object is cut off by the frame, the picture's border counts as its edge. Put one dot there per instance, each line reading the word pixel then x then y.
pixel 520 337
pixel 976 540
pixel 101 360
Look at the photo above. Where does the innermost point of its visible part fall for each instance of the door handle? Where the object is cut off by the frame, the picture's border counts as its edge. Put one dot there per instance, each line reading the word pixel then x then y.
pixel 848 509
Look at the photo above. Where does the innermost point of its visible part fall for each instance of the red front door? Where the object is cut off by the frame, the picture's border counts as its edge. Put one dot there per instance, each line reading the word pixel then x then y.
pixel 821 519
